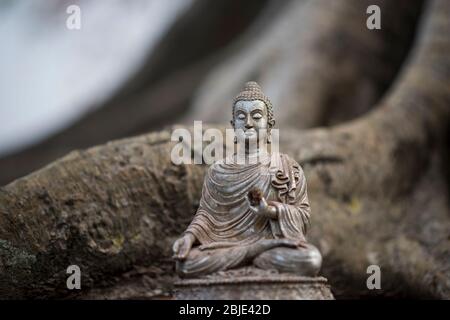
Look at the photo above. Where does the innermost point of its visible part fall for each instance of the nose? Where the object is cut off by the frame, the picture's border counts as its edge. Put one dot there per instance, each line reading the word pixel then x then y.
pixel 248 123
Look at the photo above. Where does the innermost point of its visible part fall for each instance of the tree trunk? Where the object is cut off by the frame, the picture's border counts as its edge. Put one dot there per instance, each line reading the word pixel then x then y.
pixel 311 61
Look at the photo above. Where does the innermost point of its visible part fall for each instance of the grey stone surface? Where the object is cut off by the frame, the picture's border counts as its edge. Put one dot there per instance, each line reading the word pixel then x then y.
pixel 251 283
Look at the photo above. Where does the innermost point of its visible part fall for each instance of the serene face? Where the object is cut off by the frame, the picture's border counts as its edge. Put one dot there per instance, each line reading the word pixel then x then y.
pixel 250 120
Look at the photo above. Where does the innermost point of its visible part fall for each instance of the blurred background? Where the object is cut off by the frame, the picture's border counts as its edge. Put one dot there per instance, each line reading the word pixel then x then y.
pixel 52 75
pixel 136 66
pixel 62 89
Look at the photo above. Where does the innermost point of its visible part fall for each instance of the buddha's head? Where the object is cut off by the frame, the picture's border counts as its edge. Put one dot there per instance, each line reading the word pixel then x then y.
pixel 252 114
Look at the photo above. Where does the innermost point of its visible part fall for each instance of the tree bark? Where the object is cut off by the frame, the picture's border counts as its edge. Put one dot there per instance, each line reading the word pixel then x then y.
pixel 378 189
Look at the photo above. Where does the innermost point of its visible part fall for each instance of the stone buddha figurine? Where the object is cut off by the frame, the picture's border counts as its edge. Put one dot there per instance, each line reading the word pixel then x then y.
pixel 251 213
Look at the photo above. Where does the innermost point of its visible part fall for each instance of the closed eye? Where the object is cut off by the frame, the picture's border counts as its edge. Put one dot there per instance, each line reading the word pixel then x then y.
pixel 257 116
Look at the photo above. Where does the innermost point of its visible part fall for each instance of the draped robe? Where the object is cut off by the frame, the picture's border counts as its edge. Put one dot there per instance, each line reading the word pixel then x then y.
pixel 228 230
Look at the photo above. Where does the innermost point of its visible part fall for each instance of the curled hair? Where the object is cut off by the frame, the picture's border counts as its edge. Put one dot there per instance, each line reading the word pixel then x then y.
pixel 252 91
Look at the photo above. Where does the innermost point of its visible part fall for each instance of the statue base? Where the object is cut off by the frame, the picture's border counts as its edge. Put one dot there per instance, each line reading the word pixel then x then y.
pixel 253 284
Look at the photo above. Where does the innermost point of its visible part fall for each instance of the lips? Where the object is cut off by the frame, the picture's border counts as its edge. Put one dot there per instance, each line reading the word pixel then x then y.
pixel 250 132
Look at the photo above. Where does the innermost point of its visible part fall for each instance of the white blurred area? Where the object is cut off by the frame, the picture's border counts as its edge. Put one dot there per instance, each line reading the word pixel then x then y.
pixel 50 75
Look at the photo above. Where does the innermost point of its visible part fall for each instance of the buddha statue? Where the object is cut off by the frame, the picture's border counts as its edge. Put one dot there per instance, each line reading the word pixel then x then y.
pixel 251 213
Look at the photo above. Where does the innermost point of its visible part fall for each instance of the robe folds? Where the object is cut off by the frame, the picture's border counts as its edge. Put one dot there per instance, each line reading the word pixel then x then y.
pixel 225 226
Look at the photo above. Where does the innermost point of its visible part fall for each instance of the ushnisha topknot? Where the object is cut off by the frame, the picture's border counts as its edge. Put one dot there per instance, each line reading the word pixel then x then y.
pixel 252 91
